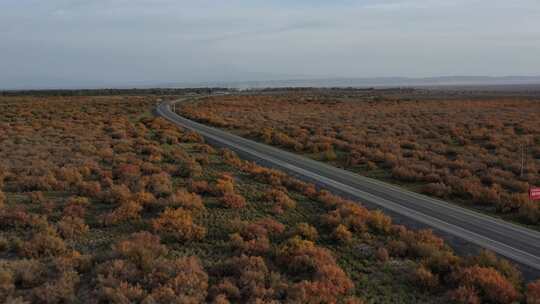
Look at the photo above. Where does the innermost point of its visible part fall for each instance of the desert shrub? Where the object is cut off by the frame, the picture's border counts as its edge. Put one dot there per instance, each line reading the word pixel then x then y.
pixel 330 284
pixel 247 279
pixel 160 184
pixel 76 206
pixel 267 176
pixel 182 280
pixel 188 168
pixel 382 254
pixel 303 256
pixel 233 200
pixel 61 290
pixel 465 295
pixel 437 189
pixel 306 231
pixel 127 173
pixel 192 137
pixel 186 200
pixel 89 189
pixel 36 197
pixel 140 248
pixel 145 198
pixel 280 200
pixel 258 245
pixel 123 292
pixel 118 194
pixel 271 226
pixel 4 244
pixel 254 238
pixel 379 221
pixel 351 215
pixel 178 223
pixel 491 285
pixel 405 174
pixel 424 278
pixel 199 186
pixel 488 259
pixel 533 292
pixel 2 199
pixel 26 273
pixel 529 213
pixel 43 244
pixel 130 210
pixel 70 175
pixel 71 227
pixel 342 234
pixel 327 280
pixel 328 199
pixel 7 285
pixel 224 185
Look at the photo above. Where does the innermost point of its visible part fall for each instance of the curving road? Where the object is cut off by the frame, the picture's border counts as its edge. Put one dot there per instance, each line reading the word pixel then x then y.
pixel 517 243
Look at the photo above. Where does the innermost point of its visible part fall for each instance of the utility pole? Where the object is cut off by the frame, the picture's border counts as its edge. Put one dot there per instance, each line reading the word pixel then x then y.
pixel 524 153
pixel 522 159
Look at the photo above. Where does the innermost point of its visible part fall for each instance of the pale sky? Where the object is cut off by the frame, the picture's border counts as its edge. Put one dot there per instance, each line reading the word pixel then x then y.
pixel 114 42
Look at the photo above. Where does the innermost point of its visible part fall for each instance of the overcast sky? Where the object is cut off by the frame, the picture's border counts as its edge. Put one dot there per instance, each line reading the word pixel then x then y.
pixel 100 42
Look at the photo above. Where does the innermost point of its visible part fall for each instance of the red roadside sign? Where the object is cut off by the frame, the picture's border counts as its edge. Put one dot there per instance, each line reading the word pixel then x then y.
pixel 534 193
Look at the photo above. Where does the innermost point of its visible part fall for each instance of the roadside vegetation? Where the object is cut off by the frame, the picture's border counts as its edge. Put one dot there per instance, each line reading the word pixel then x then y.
pixel 479 151
pixel 101 202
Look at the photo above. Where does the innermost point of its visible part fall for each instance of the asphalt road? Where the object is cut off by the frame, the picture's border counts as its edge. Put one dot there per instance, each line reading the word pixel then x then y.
pixel 515 242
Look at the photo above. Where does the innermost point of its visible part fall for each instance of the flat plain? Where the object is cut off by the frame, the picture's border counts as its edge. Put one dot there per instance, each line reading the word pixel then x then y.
pixel 477 149
pixel 102 202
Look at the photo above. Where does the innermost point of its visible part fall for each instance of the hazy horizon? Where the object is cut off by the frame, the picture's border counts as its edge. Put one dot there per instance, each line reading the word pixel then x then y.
pixel 96 43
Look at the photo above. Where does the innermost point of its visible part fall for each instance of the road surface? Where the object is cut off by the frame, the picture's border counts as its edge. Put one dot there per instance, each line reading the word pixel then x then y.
pixel 515 242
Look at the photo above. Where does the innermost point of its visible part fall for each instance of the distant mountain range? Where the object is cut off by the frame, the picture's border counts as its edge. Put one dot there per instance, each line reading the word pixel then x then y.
pixel 376 82
pixel 369 82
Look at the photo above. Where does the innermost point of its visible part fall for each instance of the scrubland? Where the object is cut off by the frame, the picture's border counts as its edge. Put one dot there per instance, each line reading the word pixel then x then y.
pixel 482 152
pixel 101 202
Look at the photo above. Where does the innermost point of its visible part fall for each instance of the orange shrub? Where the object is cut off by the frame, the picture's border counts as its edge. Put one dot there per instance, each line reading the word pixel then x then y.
pixel 379 221
pixel 89 189
pixel 328 280
pixel 61 290
pixel 182 280
pixel 141 248
pixel 465 295
pixel 280 199
pixel 330 284
pixel 43 244
pixel 253 238
pixel 342 234
pixel 233 200
pixel 492 286
pixel 186 200
pixel 224 185
pixel 200 186
pixel 118 194
pixel 179 224
pixel 2 199
pixel 36 197
pixel 145 198
pixel 533 292
pixel 76 206
pixel 424 278
pixel 382 254
pixel 302 256
pixel 529 213
pixel 247 279
pixel 306 231
pixel 129 210
pixel 71 227
pixel 160 184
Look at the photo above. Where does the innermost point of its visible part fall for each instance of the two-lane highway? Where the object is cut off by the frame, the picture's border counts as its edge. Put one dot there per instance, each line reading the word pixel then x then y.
pixel 512 241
